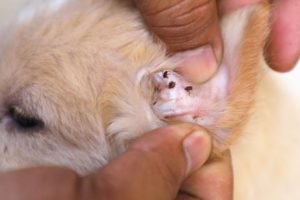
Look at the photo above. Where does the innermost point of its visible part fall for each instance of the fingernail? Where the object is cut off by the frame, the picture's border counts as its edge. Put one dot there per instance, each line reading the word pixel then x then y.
pixel 197 65
pixel 197 149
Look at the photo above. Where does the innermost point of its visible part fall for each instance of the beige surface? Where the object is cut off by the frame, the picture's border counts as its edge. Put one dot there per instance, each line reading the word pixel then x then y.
pixel 9 8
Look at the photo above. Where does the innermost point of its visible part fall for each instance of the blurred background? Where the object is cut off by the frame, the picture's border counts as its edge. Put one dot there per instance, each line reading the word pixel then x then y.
pixel 9 8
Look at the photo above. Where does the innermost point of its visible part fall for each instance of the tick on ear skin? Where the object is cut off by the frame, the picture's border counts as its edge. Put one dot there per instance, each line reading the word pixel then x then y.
pixel 166 74
pixel 171 85
pixel 188 88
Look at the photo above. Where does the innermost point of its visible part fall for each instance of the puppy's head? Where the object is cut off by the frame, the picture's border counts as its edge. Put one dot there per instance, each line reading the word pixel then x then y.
pixel 77 84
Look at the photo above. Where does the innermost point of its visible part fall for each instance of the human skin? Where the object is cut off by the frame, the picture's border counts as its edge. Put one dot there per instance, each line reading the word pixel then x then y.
pixel 188 24
pixel 167 163
pixel 283 49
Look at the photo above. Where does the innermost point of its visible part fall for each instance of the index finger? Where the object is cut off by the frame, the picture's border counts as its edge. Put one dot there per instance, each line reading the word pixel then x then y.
pixel 154 166
pixel 283 51
pixel 212 181
pixel 183 24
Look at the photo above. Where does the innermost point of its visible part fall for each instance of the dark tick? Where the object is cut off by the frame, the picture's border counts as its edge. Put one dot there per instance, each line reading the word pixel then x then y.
pixel 188 88
pixel 171 85
pixel 166 74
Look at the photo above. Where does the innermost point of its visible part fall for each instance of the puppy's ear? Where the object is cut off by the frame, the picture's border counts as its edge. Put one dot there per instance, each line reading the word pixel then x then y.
pixel 244 34
pixel 221 104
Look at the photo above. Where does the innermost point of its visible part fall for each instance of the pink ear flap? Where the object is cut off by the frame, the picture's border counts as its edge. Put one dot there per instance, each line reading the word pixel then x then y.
pixel 221 104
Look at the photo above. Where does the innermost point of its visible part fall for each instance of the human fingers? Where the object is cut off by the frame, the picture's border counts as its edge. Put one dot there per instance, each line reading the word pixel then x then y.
pixel 283 50
pixel 187 25
pixel 154 166
pixel 212 181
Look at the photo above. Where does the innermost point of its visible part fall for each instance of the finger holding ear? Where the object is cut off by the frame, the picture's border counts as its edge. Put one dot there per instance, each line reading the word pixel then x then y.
pixel 212 181
pixel 155 166
pixel 283 48
pixel 187 25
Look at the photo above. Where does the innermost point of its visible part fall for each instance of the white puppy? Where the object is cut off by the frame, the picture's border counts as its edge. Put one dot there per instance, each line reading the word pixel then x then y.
pixel 81 79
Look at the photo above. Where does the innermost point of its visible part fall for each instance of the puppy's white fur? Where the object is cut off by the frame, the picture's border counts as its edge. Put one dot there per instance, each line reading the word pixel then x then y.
pixel 81 69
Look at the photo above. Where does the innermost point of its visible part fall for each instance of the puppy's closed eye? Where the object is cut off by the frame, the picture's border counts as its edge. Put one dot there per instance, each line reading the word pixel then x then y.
pixel 23 120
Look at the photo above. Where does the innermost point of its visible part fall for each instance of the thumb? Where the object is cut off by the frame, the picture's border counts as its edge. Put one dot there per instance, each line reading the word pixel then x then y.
pixel 155 166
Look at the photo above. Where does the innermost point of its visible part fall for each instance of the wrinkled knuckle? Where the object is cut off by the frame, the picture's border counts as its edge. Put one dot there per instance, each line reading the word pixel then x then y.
pixel 186 25
pixel 179 22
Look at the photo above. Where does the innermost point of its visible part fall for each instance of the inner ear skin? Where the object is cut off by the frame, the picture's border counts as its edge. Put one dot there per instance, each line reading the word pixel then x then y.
pixel 227 98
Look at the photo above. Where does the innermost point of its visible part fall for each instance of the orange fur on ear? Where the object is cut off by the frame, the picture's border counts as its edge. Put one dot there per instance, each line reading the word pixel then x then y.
pixel 246 74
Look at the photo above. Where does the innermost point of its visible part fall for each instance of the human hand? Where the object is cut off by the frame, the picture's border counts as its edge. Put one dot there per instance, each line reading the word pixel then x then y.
pixel 184 25
pixel 283 50
pixel 188 24
pixel 167 164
